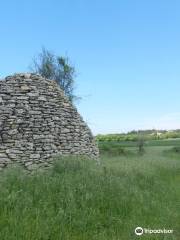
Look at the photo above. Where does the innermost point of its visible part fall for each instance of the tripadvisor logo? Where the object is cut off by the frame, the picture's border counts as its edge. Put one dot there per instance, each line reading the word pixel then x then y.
pixel 140 231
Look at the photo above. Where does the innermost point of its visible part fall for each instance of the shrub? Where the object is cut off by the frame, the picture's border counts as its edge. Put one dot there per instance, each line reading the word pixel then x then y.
pixel 176 149
pixel 111 149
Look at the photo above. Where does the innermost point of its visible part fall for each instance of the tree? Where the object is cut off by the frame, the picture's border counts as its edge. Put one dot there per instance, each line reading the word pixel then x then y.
pixel 140 143
pixel 56 68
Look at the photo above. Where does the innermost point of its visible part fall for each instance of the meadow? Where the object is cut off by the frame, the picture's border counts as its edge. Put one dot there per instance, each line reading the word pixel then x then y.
pixel 79 199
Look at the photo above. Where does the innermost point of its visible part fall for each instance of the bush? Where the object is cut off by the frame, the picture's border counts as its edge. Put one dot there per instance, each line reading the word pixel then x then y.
pixel 112 149
pixel 176 149
pixel 172 152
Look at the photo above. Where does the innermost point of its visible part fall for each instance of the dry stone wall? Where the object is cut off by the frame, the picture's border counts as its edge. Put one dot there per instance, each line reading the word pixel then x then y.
pixel 37 122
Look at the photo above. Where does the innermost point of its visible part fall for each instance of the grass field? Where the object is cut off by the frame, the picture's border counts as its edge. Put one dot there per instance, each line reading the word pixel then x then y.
pixel 155 143
pixel 79 199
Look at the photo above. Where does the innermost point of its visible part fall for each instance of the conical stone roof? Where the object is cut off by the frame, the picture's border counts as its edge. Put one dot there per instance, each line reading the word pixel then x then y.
pixel 37 122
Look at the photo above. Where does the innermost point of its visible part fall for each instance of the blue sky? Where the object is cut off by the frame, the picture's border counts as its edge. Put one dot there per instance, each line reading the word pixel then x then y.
pixel 126 53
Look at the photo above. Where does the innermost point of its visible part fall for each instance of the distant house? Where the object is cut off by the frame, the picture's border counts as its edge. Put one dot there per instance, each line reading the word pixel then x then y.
pixel 156 134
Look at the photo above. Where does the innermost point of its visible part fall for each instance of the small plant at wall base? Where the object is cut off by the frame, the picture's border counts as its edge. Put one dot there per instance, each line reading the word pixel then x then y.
pixel 57 68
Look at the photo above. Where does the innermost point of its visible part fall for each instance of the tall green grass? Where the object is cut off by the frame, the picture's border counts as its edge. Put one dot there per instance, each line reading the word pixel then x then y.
pixel 78 199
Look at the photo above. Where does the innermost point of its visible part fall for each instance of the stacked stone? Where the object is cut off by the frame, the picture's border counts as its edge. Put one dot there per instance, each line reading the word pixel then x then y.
pixel 37 122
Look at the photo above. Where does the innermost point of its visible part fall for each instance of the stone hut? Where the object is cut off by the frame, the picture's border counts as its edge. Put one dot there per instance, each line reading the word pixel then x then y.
pixel 37 122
